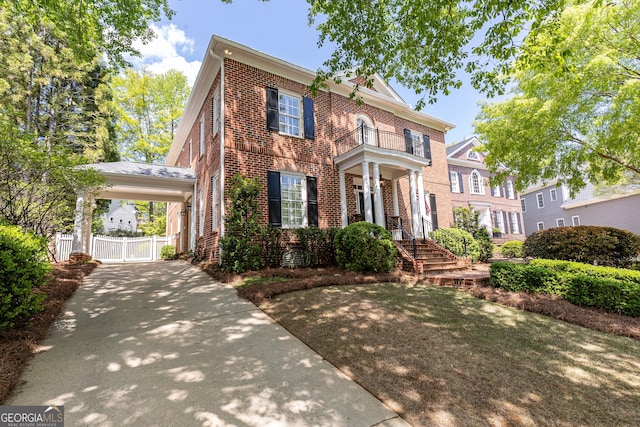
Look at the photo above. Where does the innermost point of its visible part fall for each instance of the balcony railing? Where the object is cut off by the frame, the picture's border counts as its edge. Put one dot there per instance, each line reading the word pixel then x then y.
pixel 383 139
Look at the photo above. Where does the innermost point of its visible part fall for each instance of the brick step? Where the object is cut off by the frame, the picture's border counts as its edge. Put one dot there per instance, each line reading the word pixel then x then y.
pixel 437 260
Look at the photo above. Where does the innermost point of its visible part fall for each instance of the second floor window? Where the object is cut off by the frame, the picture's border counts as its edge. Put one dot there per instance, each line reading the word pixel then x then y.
pixel 476 183
pixel 540 199
pixel 523 203
pixel 553 194
pixel 455 185
pixel 290 114
pixel 510 190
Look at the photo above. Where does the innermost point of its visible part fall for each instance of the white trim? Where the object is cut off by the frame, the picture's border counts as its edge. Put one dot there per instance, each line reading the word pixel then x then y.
pixel 538 200
pixel 215 201
pixel 480 182
pixel 560 220
pixel 575 220
pixel 523 204
pixel 303 196
pixel 510 193
pixel 553 194
pixel 453 179
pixel 473 155
pixel 515 227
pixel 540 225
pixel 300 117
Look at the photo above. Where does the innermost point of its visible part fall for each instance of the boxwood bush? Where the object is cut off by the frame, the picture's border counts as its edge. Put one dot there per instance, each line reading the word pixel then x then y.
pixel 365 247
pixel 587 244
pixel 457 241
pixel 611 289
pixel 23 268
pixel 168 252
pixel 512 249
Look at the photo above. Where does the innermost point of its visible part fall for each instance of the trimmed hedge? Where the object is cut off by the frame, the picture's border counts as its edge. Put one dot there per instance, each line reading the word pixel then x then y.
pixel 457 241
pixel 168 252
pixel 588 244
pixel 365 247
pixel 23 268
pixel 512 249
pixel 580 284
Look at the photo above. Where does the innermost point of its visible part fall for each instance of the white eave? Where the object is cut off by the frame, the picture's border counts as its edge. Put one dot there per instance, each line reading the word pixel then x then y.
pixel 221 47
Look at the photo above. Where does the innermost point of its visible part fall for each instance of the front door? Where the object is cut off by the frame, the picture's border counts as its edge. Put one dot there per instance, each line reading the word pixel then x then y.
pixel 360 207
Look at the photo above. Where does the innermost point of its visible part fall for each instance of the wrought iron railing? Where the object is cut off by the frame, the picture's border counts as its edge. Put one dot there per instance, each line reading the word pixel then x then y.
pixel 396 227
pixel 427 228
pixel 383 139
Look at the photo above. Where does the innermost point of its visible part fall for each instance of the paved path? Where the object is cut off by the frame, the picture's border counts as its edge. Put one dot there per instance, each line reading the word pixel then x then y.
pixel 162 344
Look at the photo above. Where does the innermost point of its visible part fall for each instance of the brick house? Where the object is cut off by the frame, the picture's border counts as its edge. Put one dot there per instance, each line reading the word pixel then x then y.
pixel 499 206
pixel 323 160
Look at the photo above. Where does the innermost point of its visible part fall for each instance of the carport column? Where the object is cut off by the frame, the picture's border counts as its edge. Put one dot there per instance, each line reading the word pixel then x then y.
pixel 343 200
pixel 421 204
pixel 377 195
pixel 77 246
pixel 415 212
pixel 192 222
pixel 366 190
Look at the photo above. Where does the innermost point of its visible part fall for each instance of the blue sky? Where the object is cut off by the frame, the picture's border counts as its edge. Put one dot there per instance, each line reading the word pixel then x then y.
pixel 278 28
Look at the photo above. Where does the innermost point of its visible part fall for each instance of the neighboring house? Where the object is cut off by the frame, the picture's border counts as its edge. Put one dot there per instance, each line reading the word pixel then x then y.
pixel 499 206
pixel 550 205
pixel 323 160
pixel 122 215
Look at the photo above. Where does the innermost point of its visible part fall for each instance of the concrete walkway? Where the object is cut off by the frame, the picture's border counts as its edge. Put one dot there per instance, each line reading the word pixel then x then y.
pixel 162 344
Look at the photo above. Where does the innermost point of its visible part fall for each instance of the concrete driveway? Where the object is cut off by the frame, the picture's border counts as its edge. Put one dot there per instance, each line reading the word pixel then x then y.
pixel 162 344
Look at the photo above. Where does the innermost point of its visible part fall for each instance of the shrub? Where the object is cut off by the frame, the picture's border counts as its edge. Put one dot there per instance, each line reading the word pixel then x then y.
pixel 485 245
pixel 317 245
pixel 587 244
pixel 365 247
pixel 168 252
pixel 526 278
pixel 512 249
pixel 607 273
pixel 611 295
pixel 457 241
pixel 23 267
pixel 272 249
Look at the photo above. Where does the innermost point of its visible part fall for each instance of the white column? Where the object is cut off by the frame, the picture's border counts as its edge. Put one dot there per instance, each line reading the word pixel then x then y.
pixel 343 200
pixel 394 196
pixel 377 195
pixel 366 189
pixel 414 205
pixel 421 206
pixel 192 222
pixel 86 225
pixel 78 225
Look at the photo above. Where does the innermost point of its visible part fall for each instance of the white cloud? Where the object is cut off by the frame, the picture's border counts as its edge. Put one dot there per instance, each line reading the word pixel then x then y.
pixel 166 52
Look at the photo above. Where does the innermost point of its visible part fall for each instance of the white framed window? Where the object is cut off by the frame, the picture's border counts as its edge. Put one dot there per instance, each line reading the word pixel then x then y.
pixel 514 222
pixel 201 135
pixel 523 204
pixel 290 117
pixel 553 195
pixel 560 222
pixel 540 225
pixel 293 190
pixel 455 185
pixel 216 111
pixel 575 220
pixel 476 183
pixel 499 221
pixel 540 199
pixel 201 212
pixel 495 191
pixel 510 194
pixel 472 155
pixel 416 141
pixel 365 132
pixel 215 201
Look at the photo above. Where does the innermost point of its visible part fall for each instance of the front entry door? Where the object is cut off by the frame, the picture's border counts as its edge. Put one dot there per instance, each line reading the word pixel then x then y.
pixel 360 206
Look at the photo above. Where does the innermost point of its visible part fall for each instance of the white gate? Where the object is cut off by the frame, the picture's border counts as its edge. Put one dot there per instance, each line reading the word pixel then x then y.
pixel 115 249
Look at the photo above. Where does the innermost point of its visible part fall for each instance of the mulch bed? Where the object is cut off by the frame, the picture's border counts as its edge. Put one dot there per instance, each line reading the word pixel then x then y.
pixel 18 345
pixel 548 305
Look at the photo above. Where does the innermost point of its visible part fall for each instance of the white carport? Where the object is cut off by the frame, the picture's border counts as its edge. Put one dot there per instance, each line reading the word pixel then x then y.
pixel 133 181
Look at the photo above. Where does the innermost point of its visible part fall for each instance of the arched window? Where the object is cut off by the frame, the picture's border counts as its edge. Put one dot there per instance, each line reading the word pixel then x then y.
pixel 476 183
pixel 365 129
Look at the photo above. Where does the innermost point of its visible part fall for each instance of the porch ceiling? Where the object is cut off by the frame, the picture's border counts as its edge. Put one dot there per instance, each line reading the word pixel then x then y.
pixel 141 181
pixel 393 164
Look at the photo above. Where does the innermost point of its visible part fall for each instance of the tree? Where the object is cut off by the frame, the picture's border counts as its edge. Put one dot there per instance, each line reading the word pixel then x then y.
pixel 576 101
pixel 149 107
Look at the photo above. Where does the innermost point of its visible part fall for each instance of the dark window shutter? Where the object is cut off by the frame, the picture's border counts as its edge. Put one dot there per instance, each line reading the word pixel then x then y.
pixel 505 222
pixel 450 183
pixel 408 142
pixel 309 125
pixel 495 219
pixel 275 198
pixel 500 192
pixel 312 201
pixel 460 182
pixel 426 142
pixel 273 119
pixel 434 211
pixel 519 223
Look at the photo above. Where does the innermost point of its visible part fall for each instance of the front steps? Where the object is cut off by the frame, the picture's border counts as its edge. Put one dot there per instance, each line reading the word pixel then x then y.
pixel 430 258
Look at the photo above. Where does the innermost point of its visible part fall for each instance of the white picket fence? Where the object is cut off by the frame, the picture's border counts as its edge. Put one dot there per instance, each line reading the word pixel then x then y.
pixel 115 249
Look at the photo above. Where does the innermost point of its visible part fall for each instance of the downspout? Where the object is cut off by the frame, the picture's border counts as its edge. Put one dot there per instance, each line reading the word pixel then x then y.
pixel 221 173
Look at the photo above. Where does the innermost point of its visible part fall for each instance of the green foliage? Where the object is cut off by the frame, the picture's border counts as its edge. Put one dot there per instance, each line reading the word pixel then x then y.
pixel 612 289
pixel 575 101
pixel 317 245
pixel 168 252
pixel 365 247
pixel 458 242
pixel 241 246
pixel 589 244
pixel 466 219
pixel 485 244
pixel 272 246
pixel 157 227
pixel 149 108
pixel 123 233
pixel 512 249
pixel 23 268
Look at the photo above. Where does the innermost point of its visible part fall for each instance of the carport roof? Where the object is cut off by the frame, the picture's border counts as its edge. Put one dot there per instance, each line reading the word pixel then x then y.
pixel 143 181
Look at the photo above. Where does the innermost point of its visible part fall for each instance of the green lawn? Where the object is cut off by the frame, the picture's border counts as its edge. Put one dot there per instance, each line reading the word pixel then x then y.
pixel 439 356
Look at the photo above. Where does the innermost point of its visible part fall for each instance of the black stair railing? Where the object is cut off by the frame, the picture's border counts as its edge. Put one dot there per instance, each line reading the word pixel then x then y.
pixel 395 225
